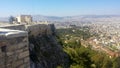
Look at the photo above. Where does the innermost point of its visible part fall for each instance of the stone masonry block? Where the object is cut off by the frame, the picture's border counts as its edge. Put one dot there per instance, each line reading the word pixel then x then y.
pixel 23 54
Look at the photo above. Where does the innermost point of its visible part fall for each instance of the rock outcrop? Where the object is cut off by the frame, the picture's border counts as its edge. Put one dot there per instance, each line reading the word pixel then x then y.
pixel 45 52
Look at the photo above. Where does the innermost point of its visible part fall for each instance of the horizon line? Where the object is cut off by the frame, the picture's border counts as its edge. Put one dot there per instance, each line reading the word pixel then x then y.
pixel 66 15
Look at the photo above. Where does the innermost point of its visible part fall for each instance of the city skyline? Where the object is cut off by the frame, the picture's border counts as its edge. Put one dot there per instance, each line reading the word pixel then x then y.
pixel 59 7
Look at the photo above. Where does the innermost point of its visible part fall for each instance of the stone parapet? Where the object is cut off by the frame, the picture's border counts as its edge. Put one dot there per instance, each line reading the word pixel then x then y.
pixel 14 27
pixel 14 45
pixel 14 51
pixel 40 29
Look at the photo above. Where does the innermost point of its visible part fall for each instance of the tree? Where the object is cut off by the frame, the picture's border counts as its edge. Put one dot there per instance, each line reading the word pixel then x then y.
pixel 11 19
pixel 107 63
pixel 116 63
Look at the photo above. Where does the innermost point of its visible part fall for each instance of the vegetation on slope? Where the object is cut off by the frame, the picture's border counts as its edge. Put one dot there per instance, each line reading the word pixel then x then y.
pixel 79 56
pixel 45 52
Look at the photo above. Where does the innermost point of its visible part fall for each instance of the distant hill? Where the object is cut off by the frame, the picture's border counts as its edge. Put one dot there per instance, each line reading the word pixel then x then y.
pixel 79 18
pixel 71 18
pixel 46 18
pixel 4 19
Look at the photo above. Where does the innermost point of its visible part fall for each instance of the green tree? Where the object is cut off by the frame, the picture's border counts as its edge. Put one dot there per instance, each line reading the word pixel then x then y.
pixel 107 63
pixel 116 63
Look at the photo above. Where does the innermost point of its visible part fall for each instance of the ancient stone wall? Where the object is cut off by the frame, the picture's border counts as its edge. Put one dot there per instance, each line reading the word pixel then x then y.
pixel 14 52
pixel 45 51
pixel 42 48
pixel 14 27
pixel 40 29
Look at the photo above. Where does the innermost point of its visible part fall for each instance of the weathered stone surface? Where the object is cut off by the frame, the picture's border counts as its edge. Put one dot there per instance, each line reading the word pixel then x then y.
pixel 27 65
pixel 39 29
pixel 26 60
pixel 2 61
pixel 23 54
pixel 18 63
pixel 19 51
pixel 44 49
pixel 21 66
pixel 22 45
pixel 14 50
pixel 45 52
pixel 2 66
pixel 14 27
pixel 7 33
pixel 9 53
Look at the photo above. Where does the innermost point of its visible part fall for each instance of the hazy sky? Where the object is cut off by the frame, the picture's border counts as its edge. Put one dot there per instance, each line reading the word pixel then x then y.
pixel 59 7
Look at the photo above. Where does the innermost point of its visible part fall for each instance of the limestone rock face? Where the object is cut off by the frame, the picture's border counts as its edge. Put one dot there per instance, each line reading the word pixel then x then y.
pixel 45 52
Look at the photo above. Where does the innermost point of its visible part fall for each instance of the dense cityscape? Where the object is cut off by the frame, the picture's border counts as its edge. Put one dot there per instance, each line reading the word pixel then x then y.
pixel 59 34
pixel 93 36
pixel 104 29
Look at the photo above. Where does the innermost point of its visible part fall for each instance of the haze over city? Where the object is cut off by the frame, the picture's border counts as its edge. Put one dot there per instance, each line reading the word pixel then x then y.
pixel 59 7
pixel 59 34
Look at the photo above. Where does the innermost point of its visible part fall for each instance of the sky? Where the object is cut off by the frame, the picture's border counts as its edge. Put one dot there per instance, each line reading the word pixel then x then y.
pixel 59 7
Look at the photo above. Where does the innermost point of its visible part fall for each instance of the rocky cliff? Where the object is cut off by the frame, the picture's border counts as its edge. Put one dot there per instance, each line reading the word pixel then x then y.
pixel 45 51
